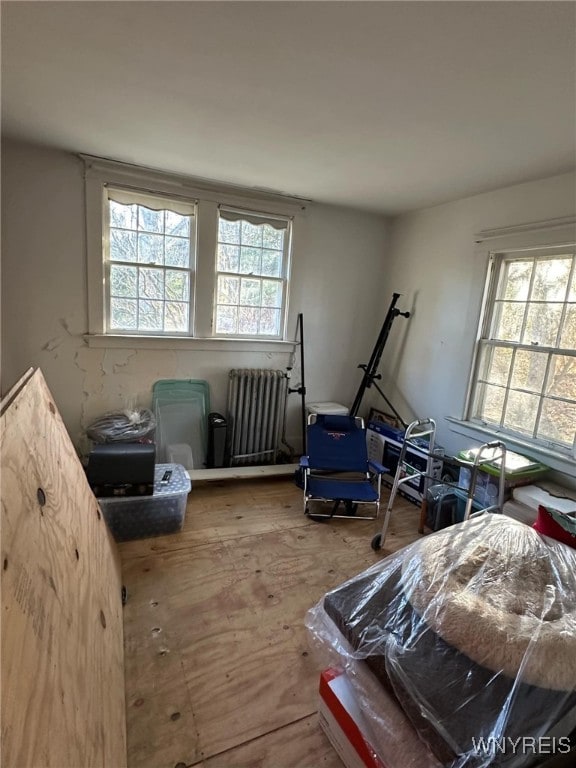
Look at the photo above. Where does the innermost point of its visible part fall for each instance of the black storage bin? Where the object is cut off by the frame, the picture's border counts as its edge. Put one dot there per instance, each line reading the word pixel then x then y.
pixel 442 507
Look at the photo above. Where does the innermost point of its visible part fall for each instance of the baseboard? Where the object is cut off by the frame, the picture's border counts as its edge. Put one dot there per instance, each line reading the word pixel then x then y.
pixel 241 473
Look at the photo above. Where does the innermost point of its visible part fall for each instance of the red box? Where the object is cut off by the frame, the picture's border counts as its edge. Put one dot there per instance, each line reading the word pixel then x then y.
pixel 343 722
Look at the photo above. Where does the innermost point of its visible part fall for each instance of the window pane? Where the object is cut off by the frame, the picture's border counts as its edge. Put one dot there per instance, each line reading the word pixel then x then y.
pixel 151 249
pixel 123 216
pixel 228 258
pixel 270 321
pixel 228 231
pixel 227 320
pixel 251 234
pixel 572 294
pixel 176 316
pixel 562 377
pixel 177 285
pixel 271 293
pixel 151 283
pixel 150 315
pixel 250 292
pixel 542 323
pixel 272 263
pixel 497 365
pixel 517 280
pixel 568 337
pixel 558 421
pixel 521 412
pixel 123 314
pixel 509 317
pixel 177 224
pixel 177 252
pixel 228 290
pixel 273 238
pixel 150 221
pixel 248 318
pixel 550 279
pixel 124 281
pixel 529 370
pixel 250 261
pixel 490 402
pixel 122 245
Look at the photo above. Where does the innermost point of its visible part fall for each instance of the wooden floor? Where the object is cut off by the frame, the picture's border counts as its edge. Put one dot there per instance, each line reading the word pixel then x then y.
pixel 219 672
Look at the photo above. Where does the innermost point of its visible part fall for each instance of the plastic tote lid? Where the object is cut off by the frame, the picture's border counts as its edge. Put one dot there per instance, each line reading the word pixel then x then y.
pixel 330 409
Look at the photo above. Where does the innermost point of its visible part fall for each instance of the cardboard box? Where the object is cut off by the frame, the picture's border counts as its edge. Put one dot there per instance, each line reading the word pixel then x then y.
pixel 342 721
pixel 384 445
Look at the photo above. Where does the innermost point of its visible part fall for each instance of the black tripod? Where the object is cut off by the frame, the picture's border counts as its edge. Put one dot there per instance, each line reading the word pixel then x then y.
pixel 301 390
pixel 370 370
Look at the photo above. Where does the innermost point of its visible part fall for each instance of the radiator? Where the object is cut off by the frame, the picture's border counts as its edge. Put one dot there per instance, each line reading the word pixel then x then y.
pixel 256 398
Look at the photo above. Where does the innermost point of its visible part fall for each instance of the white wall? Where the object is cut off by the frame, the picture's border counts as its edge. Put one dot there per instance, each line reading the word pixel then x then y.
pixel 44 312
pixel 432 261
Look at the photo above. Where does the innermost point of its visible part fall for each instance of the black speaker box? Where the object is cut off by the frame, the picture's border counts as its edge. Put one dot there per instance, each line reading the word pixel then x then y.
pixel 122 469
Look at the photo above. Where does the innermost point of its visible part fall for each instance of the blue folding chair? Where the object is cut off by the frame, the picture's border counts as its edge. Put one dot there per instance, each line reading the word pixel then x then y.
pixel 337 468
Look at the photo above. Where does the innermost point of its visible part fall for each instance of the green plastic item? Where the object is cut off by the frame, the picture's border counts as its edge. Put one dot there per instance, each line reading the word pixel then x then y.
pixel 181 407
pixel 517 466
pixel 168 390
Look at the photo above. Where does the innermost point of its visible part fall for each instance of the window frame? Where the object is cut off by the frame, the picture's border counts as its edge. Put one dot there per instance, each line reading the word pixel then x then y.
pixel 207 196
pixel 495 247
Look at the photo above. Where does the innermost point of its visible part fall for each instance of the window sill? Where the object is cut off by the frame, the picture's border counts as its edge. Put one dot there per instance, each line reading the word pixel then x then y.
pixel 112 341
pixel 558 461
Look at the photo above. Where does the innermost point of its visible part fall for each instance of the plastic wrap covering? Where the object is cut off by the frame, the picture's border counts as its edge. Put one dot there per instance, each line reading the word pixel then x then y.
pixel 472 631
pixel 127 426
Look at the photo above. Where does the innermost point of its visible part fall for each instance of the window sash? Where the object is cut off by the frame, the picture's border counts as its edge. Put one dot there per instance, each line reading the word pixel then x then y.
pixel 156 202
pixel 257 218
pixel 489 345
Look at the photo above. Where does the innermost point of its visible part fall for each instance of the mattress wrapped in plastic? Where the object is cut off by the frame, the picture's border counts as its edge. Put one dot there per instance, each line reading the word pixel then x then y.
pixel 473 631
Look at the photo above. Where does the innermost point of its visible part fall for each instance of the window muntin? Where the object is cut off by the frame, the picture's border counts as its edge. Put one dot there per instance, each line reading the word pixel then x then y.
pixel 251 274
pixel 526 372
pixel 149 263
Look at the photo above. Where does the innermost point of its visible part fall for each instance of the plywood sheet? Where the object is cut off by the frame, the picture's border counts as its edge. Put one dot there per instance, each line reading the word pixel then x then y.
pixel 62 642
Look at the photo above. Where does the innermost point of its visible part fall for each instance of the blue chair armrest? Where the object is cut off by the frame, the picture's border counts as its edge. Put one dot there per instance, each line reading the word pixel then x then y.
pixel 304 462
pixel 375 466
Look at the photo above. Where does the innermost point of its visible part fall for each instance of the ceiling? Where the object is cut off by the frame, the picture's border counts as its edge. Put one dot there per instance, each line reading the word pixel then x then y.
pixel 387 106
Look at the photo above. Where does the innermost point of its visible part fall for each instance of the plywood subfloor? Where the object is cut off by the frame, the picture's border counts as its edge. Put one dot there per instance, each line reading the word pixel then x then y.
pixel 219 671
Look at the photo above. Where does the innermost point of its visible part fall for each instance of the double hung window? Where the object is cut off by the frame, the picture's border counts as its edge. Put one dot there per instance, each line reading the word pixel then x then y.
pixel 169 258
pixel 525 375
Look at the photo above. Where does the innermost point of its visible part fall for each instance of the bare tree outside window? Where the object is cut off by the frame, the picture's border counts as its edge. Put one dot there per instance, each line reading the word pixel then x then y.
pixel 526 372
pixel 149 260
pixel 251 275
